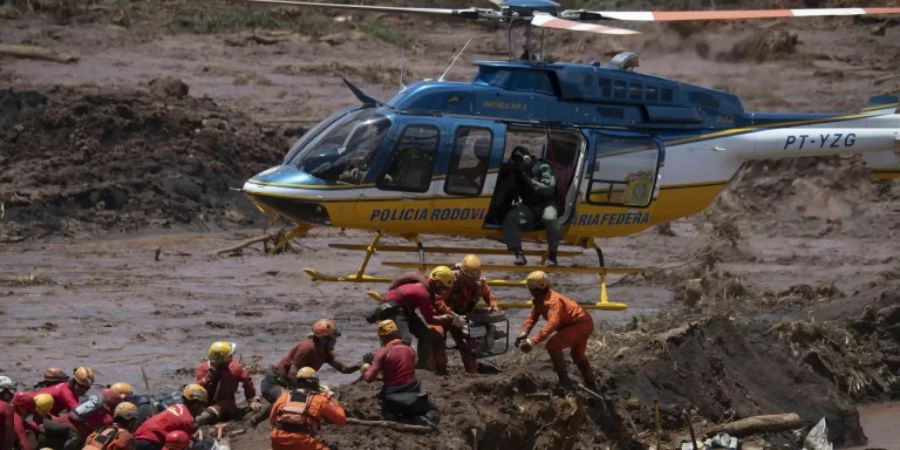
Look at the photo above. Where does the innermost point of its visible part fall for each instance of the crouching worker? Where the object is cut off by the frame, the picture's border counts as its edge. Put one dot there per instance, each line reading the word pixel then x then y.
pixel 222 375
pixel 118 435
pixel 570 325
pixel 401 396
pixel 151 435
pixel 297 414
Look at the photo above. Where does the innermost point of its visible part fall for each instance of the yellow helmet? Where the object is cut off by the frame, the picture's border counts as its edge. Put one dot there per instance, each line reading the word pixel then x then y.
pixel 84 376
pixel 471 266
pixel 123 388
pixel 386 327
pixel 195 392
pixel 221 352
pixel 126 411
pixel 537 280
pixel 306 372
pixel 43 403
pixel 443 276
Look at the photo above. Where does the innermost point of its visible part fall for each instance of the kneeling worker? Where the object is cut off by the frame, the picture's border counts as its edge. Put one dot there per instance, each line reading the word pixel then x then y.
pixel 118 435
pixel 297 413
pixel 151 435
pixel 569 323
pixel 401 396
pixel 222 375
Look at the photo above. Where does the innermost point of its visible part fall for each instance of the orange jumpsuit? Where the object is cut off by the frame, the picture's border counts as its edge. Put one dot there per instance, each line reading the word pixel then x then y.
pixel 573 327
pixel 112 437
pixel 287 434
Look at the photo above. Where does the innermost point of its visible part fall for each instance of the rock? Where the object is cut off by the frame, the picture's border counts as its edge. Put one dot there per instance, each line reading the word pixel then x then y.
pixel 166 87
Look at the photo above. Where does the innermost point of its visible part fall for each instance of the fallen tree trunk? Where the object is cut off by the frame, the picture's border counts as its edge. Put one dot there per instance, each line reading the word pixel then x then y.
pixel 760 424
pixel 30 51
pixel 246 243
pixel 389 424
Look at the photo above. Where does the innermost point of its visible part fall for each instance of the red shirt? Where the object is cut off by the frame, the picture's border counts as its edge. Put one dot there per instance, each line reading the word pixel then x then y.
pixel 21 437
pixel 223 385
pixel 174 418
pixel 304 354
pixel 558 311
pixel 397 361
pixel 411 296
pixel 64 399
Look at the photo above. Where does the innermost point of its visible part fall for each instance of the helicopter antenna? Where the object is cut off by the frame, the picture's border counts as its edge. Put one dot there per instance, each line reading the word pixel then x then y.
pixel 453 61
pixel 402 60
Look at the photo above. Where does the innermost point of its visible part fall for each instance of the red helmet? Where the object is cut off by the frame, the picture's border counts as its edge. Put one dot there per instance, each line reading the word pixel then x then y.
pixel 111 398
pixel 178 440
pixel 24 400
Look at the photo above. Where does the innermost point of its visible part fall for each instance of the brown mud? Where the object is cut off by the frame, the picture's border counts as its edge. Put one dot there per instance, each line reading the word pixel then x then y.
pixel 781 297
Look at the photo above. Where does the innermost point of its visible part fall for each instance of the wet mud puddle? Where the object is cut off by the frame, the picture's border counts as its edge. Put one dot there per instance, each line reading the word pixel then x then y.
pixel 881 423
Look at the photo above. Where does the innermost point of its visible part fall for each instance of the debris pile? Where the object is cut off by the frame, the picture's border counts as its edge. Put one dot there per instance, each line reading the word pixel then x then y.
pixel 88 159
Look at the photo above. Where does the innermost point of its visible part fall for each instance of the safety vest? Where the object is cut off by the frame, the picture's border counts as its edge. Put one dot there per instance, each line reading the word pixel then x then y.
pixel 294 416
pixel 103 438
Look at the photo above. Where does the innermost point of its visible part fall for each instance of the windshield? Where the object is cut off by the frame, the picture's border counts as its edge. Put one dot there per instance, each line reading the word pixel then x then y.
pixel 311 134
pixel 345 150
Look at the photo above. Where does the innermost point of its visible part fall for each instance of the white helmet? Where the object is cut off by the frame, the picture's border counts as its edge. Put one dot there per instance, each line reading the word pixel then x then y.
pixel 6 384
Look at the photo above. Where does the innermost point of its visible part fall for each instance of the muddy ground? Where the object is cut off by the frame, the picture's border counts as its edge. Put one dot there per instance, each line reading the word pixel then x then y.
pixel 115 177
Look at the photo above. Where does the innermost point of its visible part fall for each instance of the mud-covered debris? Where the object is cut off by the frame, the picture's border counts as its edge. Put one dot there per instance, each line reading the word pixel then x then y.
pixel 166 87
pixel 764 46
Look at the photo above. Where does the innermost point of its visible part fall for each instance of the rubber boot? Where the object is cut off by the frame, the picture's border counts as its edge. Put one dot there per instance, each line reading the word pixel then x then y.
pixel 587 374
pixel 469 362
pixel 551 260
pixel 520 258
pixel 559 366
pixel 260 416
pixel 207 417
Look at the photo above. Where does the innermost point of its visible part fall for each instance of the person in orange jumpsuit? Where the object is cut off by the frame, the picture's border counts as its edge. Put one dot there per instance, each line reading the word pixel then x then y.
pixel 469 287
pixel 297 414
pixel 570 325
pixel 221 375
pixel 118 435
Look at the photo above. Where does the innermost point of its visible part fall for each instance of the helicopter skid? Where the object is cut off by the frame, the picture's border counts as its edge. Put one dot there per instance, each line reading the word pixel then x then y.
pixel 351 278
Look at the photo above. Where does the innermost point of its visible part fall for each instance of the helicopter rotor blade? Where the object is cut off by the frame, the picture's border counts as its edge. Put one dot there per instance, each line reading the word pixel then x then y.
pixel 549 21
pixel 470 13
pixel 668 16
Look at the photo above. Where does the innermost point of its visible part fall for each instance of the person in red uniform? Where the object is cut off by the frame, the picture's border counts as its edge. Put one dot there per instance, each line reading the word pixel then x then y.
pixel 118 435
pixel 22 406
pixel 96 412
pixel 297 414
pixel 409 293
pixel 53 375
pixel 7 416
pixel 177 440
pixel 65 395
pixel 316 350
pixel 221 375
pixel 570 325
pixel 401 393
pixel 151 435
pixel 469 287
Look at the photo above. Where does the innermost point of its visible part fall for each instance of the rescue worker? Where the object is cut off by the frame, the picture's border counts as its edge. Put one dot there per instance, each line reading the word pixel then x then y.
pixel 401 394
pixel 409 293
pixel 469 287
pixel 316 350
pixel 177 440
pixel 22 406
pixel 534 183
pixel 53 375
pixel 570 325
pixel 151 435
pixel 65 395
pixel 123 388
pixel 43 404
pixel 297 414
pixel 96 412
pixel 7 416
pixel 118 435
pixel 220 375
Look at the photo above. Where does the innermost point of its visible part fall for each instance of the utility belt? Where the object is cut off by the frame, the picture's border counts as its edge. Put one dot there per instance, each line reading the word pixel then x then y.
pixel 294 428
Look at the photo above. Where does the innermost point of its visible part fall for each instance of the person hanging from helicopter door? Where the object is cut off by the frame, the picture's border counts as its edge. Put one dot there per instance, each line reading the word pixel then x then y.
pixel 534 183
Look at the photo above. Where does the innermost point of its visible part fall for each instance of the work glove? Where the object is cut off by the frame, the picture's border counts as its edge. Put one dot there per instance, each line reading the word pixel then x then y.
pixel 493 309
pixel 256 405
pixel 458 321
pixel 526 346
pixel 368 358
pixel 326 391
pixel 522 336
pixel 364 368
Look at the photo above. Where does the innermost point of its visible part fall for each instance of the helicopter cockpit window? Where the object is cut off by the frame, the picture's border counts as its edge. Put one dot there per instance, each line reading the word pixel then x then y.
pixel 469 165
pixel 344 151
pixel 517 80
pixel 412 162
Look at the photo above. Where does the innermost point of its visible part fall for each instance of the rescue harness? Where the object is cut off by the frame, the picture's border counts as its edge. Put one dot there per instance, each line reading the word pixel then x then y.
pixel 294 416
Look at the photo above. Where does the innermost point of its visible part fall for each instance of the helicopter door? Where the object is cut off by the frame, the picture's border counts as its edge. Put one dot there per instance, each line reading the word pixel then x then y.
pixel 625 170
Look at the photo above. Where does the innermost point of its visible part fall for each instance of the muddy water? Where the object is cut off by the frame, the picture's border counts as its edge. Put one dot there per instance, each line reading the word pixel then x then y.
pixel 881 423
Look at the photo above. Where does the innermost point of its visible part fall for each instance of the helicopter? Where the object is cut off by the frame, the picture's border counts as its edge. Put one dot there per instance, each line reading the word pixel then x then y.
pixel 629 150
